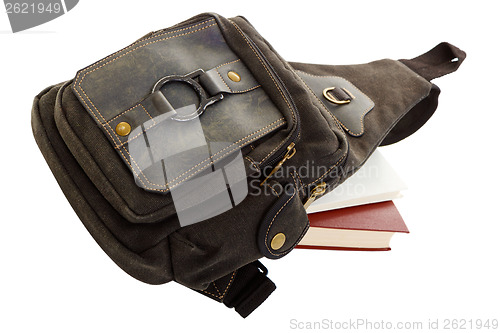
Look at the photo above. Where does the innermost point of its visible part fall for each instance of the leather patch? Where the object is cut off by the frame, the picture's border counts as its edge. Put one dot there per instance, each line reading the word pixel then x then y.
pixel 351 114
pixel 284 225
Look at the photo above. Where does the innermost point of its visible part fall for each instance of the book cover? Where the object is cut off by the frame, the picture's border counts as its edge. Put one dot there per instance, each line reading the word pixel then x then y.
pixel 368 227
pixel 375 181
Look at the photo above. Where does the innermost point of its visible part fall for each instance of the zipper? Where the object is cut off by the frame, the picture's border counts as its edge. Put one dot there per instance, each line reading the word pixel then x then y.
pixel 287 149
pixel 320 189
pixel 290 151
pixel 317 191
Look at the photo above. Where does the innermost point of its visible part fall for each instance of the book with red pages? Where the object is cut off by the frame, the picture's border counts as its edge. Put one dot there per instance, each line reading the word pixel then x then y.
pixel 368 227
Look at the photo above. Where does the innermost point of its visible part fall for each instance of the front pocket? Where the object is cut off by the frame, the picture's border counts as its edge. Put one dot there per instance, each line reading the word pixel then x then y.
pixel 103 166
pixel 118 94
pixel 150 122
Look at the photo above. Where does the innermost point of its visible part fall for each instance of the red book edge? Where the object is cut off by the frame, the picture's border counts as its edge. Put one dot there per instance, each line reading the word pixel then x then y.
pixel 380 216
pixel 315 247
pixel 377 217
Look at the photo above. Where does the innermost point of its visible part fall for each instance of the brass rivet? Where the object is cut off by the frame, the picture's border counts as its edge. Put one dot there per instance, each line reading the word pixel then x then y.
pixel 233 76
pixel 123 129
pixel 278 241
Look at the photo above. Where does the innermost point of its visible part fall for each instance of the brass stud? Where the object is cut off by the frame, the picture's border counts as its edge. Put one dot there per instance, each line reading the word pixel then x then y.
pixel 233 76
pixel 123 128
pixel 278 241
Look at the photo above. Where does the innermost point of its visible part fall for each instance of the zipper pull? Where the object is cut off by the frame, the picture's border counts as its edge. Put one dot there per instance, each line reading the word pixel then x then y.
pixel 318 190
pixel 290 151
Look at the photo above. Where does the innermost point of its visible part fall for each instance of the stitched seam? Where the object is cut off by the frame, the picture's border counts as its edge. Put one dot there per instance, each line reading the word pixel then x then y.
pixel 112 138
pixel 265 67
pixel 323 105
pixel 235 91
pixel 341 132
pixel 227 63
pixel 104 175
pixel 362 115
pixel 216 296
pixel 251 161
pixel 272 221
pixel 57 158
pixel 294 180
pixel 152 37
pixel 225 290
pixel 131 158
pixel 272 151
pixel 272 189
pixel 218 157
pixel 246 90
pixel 115 142
pixel 132 50
pixel 297 179
pixel 97 110
pixel 230 282
pixel 154 122
pixel 171 186
pixel 122 113
pixel 225 82
pixel 218 291
pixel 279 121
pixel 320 177
pixel 272 78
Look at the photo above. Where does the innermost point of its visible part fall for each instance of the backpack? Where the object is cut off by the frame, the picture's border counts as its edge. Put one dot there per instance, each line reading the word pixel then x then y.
pixel 192 153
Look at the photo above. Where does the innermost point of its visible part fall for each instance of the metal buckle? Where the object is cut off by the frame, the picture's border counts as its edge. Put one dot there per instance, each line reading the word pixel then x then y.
pixel 204 100
pixel 331 97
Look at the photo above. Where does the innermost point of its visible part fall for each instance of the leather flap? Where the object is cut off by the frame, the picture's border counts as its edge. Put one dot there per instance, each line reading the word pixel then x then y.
pixel 119 93
pixel 284 225
pixel 351 114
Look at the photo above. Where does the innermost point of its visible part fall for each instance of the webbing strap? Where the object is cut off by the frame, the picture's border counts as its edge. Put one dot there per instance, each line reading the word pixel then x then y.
pixel 244 290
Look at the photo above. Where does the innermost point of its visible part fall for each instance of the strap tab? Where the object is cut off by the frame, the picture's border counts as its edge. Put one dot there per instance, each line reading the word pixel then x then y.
pixel 441 60
pixel 244 290
pixel 232 77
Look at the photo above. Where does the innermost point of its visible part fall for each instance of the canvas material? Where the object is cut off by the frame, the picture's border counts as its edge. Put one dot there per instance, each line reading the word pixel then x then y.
pixel 139 230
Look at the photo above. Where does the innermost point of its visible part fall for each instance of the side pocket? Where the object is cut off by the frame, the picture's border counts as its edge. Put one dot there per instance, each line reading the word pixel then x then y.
pixel 269 222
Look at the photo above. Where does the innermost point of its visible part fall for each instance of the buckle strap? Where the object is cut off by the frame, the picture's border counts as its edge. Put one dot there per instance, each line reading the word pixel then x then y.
pixel 244 290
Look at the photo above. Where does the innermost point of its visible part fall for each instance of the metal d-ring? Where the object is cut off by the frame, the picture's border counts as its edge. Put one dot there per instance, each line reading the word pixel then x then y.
pixel 331 98
pixel 205 101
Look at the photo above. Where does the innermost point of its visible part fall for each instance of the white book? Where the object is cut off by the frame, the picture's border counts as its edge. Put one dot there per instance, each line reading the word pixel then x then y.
pixel 375 181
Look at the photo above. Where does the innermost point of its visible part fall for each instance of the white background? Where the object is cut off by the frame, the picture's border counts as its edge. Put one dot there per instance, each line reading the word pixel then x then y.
pixel 55 278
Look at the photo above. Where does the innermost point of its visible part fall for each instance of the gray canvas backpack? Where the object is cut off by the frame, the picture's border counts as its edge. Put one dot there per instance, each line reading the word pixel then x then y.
pixel 191 153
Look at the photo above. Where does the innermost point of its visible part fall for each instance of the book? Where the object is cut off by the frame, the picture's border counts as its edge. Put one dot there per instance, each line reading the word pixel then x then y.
pixel 368 227
pixel 375 181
